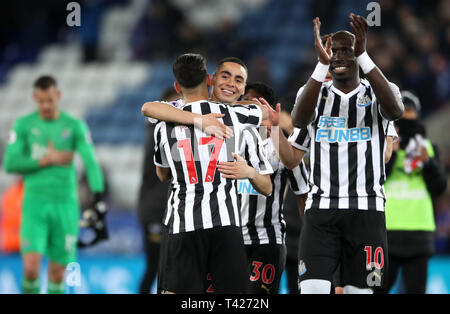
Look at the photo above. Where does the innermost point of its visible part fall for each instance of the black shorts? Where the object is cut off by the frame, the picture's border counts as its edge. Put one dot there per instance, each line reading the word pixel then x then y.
pixel 355 239
pixel 190 256
pixel 266 263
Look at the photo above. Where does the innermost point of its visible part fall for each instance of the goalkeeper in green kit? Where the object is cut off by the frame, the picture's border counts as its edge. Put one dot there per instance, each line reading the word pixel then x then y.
pixel 40 148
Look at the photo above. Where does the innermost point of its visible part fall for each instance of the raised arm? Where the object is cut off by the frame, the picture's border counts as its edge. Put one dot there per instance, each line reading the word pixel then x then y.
pixel 391 105
pixel 306 103
pixel 289 155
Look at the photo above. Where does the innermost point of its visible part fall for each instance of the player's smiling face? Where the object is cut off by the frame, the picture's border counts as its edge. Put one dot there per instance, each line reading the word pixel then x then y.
pixel 343 63
pixel 47 100
pixel 229 82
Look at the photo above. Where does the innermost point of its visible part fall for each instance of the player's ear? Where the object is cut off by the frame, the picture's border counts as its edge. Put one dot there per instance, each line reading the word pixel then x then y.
pixel 177 87
pixel 209 80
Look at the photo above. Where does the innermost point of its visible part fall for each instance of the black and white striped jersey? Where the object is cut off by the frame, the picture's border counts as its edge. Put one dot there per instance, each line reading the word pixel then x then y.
pixel 392 131
pixel 262 217
pixel 179 103
pixel 200 197
pixel 347 143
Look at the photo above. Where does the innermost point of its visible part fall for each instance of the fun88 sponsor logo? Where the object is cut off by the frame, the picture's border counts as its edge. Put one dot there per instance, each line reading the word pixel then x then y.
pixel 333 130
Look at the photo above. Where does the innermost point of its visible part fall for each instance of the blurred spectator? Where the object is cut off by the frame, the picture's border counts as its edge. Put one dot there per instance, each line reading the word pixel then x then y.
pixel 26 26
pixel 442 216
pixel 223 43
pixel 326 11
pixel 259 70
pixel 159 31
pixel 415 176
pixel 91 14
pixel 10 217
pixel 191 39
pixel 411 47
pixel 419 77
pixel 301 72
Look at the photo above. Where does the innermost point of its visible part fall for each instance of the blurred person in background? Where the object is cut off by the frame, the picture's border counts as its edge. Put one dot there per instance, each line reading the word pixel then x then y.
pixel 41 147
pixel 152 204
pixel 158 32
pixel 415 176
pixel 89 32
pixel 10 217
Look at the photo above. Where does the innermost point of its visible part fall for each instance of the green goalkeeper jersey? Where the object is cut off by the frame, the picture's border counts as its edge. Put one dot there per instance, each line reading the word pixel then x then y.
pixel 28 142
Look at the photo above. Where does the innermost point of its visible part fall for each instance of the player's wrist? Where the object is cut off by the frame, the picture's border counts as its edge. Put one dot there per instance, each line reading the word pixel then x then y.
pixel 251 173
pixel 365 62
pixel 320 72
pixel 198 120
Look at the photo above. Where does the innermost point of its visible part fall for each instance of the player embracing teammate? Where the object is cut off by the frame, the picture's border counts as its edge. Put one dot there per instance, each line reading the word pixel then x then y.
pixel 343 123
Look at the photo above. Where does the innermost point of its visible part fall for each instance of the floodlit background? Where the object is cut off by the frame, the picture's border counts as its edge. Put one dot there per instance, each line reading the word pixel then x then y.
pixel 121 56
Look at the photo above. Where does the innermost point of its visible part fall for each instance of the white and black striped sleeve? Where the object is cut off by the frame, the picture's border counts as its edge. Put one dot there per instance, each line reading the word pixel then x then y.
pixel 298 179
pixel 176 103
pixel 300 139
pixel 294 108
pixel 249 116
pixel 397 94
pixel 391 131
pixel 160 158
pixel 252 150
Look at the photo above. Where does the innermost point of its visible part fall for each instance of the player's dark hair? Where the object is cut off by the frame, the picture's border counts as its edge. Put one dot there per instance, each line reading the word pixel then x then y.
pixel 233 60
pixel 189 70
pixel 44 82
pixel 264 90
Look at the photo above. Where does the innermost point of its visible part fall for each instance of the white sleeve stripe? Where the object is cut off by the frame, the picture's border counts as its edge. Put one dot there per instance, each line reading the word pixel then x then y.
pixel 306 149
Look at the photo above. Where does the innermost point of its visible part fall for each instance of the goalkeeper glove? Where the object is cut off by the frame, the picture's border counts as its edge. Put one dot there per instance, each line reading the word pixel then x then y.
pixel 94 218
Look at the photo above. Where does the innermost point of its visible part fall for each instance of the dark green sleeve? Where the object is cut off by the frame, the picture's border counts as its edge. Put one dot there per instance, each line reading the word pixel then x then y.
pixel 17 157
pixel 83 145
